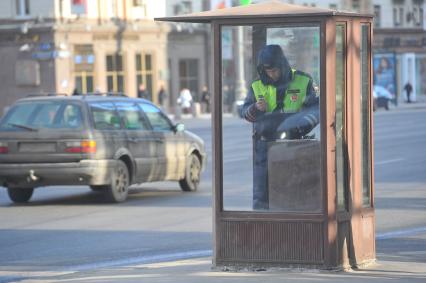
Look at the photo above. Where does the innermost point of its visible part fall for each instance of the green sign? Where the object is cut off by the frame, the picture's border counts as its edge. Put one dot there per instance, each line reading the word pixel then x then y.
pixel 245 2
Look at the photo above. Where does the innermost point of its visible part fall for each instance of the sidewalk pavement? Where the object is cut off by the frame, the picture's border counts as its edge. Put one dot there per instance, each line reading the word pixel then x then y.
pixel 400 258
pixel 402 105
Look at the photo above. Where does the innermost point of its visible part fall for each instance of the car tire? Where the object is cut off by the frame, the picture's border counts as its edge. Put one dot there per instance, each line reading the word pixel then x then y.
pixel 19 195
pixel 387 105
pixel 118 190
pixel 192 174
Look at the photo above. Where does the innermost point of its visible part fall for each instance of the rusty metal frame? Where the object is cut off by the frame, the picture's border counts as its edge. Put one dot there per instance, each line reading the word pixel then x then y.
pixel 250 216
pixel 328 218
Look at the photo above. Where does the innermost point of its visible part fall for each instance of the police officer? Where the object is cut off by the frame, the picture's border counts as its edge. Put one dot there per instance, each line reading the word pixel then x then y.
pixel 279 89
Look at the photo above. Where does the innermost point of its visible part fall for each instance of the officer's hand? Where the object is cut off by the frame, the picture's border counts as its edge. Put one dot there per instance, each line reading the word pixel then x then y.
pixel 261 105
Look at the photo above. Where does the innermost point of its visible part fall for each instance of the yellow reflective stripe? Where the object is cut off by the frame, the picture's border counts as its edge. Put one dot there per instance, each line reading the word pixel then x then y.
pixel 294 97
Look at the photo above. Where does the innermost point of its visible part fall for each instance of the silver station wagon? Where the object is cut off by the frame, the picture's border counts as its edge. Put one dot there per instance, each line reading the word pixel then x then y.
pixel 106 142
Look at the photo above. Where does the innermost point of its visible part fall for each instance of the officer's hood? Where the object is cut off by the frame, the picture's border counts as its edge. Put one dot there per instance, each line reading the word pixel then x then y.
pixel 273 56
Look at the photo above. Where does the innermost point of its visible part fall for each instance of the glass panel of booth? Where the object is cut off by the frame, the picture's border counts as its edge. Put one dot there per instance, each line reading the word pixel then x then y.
pixel 365 115
pixel 270 118
pixel 341 147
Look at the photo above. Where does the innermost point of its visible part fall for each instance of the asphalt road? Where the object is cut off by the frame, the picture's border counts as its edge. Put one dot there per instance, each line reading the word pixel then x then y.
pixel 73 229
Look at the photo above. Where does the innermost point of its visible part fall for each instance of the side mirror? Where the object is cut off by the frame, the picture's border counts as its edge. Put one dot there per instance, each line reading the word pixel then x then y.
pixel 179 127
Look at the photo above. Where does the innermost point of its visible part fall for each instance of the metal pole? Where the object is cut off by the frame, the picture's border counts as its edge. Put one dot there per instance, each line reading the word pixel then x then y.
pixel 241 90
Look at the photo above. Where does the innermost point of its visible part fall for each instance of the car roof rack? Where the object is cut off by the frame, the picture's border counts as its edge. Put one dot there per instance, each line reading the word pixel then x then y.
pixel 109 93
pixel 46 94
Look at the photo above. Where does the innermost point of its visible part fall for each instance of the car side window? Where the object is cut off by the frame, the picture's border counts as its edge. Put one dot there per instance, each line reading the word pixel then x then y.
pixel 104 116
pixel 131 116
pixel 72 117
pixel 158 121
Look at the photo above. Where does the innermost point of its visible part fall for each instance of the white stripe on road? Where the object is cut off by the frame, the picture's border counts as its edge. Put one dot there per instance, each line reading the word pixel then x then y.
pixel 229 160
pixel 388 161
pixel 206 253
pixel 142 260
pixel 17 275
pixel 236 159
pixel 396 234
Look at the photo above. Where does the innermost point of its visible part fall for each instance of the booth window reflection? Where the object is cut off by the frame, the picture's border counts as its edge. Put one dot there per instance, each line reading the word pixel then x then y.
pixel 341 146
pixel 270 118
pixel 365 115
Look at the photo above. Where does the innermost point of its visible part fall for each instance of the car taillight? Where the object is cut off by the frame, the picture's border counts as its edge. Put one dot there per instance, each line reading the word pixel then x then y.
pixel 4 147
pixel 88 146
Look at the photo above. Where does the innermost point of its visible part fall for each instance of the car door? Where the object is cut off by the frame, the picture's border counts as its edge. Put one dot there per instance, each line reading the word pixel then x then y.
pixel 107 128
pixel 170 143
pixel 141 142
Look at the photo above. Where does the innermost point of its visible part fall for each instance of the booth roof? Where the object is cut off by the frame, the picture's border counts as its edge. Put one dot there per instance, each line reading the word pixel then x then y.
pixel 268 9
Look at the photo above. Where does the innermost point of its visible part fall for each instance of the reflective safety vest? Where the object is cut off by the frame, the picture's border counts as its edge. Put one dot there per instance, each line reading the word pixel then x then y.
pixel 294 95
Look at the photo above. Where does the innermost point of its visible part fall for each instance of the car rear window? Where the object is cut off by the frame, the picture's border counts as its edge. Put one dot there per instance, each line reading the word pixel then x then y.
pixel 43 114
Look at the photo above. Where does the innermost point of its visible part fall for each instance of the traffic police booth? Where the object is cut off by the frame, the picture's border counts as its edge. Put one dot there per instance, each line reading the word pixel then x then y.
pixel 320 186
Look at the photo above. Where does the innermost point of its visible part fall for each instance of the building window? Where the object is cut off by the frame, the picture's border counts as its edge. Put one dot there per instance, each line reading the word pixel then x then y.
pixel 145 72
pixel 185 7
pixel 78 7
pixel 417 16
pixel 377 15
pixel 112 9
pixel 355 5
pixel 188 76
pixel 84 61
pixel 115 73
pixel 22 7
pixel 141 4
pixel 398 16
pixel 137 3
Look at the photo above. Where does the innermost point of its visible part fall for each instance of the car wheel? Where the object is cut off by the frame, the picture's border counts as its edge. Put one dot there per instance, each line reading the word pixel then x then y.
pixel 118 190
pixel 192 174
pixel 20 195
pixel 387 105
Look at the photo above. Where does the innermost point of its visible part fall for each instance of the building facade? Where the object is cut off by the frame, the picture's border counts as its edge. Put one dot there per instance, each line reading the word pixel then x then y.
pixel 66 46
pixel 188 51
pixel 399 42
pixel 400 45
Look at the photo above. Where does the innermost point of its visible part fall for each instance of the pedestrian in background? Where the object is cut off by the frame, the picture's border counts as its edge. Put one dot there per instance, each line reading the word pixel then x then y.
pixel 408 89
pixel 162 96
pixel 185 100
pixel 142 92
pixel 205 99
pixel 75 92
